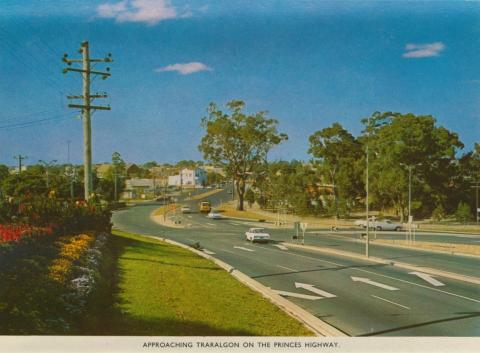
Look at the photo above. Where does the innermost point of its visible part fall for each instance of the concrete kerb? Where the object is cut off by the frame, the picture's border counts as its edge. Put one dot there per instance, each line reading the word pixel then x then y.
pixel 432 271
pixel 319 327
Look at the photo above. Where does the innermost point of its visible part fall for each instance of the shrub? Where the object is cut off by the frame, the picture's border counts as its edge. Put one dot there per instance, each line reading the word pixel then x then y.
pixel 438 213
pixel 463 213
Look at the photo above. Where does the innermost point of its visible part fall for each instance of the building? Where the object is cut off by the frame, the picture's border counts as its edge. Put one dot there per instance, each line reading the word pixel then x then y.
pixel 192 178
pixel 102 170
pixel 138 188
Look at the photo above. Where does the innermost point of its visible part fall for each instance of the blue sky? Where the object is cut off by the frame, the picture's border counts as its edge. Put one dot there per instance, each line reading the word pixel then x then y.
pixel 309 63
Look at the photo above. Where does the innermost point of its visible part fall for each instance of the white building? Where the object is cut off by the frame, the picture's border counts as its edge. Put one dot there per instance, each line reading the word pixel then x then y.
pixel 188 178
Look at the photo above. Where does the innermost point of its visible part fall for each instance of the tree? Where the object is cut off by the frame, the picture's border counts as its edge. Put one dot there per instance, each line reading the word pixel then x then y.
pixel 463 213
pixel 214 178
pixel 398 142
pixel 114 174
pixel 337 151
pixel 238 141
pixel 250 196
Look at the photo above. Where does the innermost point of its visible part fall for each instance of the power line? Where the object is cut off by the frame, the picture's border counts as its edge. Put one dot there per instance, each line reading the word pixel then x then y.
pixel 33 122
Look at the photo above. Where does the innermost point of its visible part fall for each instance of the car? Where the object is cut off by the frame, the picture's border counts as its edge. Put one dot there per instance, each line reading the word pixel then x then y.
pixel 214 215
pixel 257 234
pixel 205 207
pixel 386 224
pixel 185 209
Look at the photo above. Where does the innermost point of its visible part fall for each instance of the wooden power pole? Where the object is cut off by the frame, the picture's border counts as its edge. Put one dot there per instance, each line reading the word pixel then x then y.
pixel 87 107
pixel 20 158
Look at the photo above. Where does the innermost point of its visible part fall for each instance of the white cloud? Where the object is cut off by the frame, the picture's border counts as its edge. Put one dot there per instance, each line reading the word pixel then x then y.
pixel 148 11
pixel 185 69
pixel 423 50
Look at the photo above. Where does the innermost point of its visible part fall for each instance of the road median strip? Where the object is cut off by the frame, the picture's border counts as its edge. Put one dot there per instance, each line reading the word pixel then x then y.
pixel 432 271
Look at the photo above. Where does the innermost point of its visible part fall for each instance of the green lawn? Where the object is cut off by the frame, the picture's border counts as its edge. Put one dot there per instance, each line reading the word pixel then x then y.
pixel 165 290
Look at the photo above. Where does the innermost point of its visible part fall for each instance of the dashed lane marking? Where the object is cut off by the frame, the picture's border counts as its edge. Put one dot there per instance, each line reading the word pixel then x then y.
pixel 389 301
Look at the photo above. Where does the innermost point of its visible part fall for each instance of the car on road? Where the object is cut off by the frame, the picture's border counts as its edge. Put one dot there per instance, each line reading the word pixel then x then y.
pixel 382 224
pixel 186 209
pixel 387 224
pixel 205 206
pixel 257 234
pixel 214 215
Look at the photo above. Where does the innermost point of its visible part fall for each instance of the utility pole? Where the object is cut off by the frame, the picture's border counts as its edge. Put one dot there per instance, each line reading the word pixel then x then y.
pixel 20 158
pixel 476 186
pixel 87 107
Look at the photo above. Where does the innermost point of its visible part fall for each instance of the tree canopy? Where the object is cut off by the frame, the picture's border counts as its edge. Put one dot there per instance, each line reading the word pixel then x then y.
pixel 238 141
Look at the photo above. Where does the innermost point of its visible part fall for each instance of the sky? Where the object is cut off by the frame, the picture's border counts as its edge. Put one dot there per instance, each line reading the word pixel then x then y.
pixel 308 63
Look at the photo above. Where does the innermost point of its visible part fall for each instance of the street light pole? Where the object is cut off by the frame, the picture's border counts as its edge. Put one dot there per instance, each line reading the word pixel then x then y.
pixel 47 166
pixel 367 241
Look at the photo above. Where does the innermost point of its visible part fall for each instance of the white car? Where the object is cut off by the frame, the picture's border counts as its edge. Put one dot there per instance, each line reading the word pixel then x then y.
pixel 185 209
pixel 257 234
pixel 214 215
pixel 386 224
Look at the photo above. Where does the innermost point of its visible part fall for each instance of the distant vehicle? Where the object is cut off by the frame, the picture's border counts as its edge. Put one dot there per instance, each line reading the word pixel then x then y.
pixel 205 206
pixel 383 224
pixel 257 234
pixel 214 215
pixel 186 209
pixel 386 224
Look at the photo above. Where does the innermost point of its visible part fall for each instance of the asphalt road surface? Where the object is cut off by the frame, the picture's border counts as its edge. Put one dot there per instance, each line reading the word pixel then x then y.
pixel 358 297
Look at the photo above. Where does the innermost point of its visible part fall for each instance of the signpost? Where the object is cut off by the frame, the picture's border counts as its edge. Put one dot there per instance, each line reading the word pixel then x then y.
pixel 303 227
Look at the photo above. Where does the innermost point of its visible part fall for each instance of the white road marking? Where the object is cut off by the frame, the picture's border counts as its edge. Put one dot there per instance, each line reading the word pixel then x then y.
pixel 236 223
pixel 287 268
pixel 389 301
pixel 378 274
pixel 231 252
pixel 211 224
pixel 189 216
pixel 242 248
pixel 428 278
pixel 296 295
pixel 208 252
pixel 311 288
pixel 373 283
pixel 281 247
pixel 420 285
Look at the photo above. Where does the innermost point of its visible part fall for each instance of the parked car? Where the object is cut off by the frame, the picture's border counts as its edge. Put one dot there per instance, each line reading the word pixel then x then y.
pixel 214 215
pixel 257 234
pixel 186 209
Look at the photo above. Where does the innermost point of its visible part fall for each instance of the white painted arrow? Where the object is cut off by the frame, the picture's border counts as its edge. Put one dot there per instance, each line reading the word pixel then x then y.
pixel 242 248
pixel 428 278
pixel 281 247
pixel 373 283
pixel 297 295
pixel 311 288
pixel 208 252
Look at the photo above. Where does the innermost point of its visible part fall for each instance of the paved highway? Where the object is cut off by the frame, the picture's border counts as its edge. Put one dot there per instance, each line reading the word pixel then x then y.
pixel 358 297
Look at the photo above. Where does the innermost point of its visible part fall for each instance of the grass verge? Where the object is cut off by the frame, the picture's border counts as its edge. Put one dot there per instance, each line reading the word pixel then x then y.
pixel 165 209
pixel 206 194
pixel 164 290
pixel 450 247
